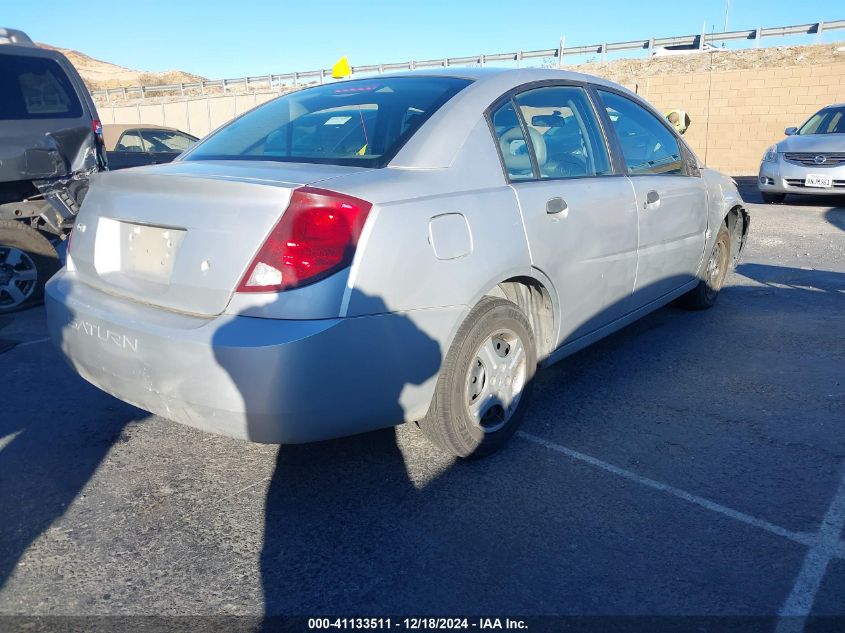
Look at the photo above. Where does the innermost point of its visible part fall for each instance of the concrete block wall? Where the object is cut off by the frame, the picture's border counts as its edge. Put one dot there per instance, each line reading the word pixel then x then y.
pixel 735 114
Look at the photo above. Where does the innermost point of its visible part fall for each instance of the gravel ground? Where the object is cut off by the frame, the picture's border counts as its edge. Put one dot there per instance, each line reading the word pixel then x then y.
pixel 690 464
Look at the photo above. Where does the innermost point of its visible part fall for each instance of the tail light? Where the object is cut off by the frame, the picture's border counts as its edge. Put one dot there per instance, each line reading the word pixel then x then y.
pixel 97 128
pixel 315 238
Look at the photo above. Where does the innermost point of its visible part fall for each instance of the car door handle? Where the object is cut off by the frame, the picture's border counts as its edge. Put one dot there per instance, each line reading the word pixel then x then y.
pixel 556 205
pixel 652 200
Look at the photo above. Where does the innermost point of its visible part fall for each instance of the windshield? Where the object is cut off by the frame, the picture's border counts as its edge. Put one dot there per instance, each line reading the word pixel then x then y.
pixel 361 122
pixel 827 121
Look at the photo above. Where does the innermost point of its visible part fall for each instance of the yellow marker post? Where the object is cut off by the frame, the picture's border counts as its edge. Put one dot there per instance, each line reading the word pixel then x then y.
pixel 341 69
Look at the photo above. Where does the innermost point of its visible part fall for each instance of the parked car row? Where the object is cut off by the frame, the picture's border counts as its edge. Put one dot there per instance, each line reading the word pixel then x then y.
pixel 356 255
pixel 51 143
pixel 406 248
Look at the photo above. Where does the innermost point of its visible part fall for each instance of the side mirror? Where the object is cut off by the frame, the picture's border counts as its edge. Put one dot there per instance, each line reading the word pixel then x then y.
pixel 790 131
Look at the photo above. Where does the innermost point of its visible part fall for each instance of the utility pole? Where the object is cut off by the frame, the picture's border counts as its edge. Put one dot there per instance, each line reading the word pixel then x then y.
pixel 727 14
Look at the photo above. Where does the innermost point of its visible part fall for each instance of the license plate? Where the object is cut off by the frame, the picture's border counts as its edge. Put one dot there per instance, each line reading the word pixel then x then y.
pixel 149 251
pixel 816 180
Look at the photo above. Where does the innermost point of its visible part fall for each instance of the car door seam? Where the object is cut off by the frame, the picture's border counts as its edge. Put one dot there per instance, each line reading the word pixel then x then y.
pixel 522 220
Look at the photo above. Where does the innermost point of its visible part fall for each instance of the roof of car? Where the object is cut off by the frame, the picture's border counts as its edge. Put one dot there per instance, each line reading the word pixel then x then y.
pixel 447 128
pixel 15 37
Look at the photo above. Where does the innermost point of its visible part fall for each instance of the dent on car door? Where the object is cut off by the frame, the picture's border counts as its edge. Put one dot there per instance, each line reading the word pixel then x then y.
pixel 579 215
pixel 671 198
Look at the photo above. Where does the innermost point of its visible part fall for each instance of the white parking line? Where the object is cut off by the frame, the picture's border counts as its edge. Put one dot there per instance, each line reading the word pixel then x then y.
pixel 35 342
pixel 825 545
pixel 827 542
pixel 798 537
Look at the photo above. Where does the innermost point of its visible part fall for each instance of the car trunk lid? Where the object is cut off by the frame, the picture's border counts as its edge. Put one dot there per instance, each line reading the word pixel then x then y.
pixel 180 236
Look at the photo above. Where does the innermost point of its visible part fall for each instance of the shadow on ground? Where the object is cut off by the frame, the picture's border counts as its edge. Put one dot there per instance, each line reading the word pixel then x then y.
pixel 496 538
pixel 48 455
pixel 357 526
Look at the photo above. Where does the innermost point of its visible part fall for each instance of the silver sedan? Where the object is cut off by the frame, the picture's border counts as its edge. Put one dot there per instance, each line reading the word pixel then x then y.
pixel 386 250
pixel 810 160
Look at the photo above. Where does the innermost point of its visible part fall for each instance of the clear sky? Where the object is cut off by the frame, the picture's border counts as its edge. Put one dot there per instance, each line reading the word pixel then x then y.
pixel 217 38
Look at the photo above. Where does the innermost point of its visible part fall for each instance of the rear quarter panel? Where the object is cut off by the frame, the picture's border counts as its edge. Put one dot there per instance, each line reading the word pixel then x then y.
pixel 396 267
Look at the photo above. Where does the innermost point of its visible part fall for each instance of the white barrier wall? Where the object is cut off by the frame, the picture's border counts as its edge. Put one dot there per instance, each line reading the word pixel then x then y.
pixel 196 115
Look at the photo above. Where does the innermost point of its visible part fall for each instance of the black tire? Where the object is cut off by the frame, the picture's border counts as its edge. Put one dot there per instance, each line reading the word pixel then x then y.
pixel 704 295
pixel 773 198
pixel 495 326
pixel 23 250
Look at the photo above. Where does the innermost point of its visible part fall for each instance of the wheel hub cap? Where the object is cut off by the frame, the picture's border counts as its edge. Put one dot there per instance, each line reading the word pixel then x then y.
pixel 18 276
pixel 495 380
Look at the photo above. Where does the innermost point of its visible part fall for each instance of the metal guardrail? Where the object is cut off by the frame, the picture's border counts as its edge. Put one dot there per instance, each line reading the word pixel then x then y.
pixel 273 82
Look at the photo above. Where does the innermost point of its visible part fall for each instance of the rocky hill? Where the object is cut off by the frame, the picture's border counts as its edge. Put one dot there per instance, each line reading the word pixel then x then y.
pixel 99 74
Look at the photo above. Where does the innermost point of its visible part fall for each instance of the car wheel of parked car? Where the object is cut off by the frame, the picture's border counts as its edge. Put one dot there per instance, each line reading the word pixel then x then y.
pixel 773 198
pixel 704 295
pixel 27 261
pixel 485 381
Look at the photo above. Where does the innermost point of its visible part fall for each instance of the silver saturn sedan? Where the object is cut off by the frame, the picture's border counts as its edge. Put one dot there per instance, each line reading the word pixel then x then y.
pixel 403 248
pixel 810 160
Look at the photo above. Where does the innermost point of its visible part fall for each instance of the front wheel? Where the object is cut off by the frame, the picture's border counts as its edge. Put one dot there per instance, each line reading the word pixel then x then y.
pixel 485 382
pixel 27 261
pixel 704 295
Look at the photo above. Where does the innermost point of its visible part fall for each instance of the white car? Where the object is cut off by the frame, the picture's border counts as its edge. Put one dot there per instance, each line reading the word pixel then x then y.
pixel 684 49
pixel 810 160
pixel 395 249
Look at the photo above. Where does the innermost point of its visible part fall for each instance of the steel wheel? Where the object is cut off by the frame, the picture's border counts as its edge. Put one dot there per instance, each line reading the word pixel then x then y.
pixel 717 268
pixel 495 380
pixel 18 277
pixel 485 381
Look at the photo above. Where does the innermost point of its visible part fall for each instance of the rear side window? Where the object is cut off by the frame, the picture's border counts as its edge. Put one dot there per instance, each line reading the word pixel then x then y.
pixel 511 139
pixel 361 122
pixel 35 88
pixel 647 145
pixel 567 139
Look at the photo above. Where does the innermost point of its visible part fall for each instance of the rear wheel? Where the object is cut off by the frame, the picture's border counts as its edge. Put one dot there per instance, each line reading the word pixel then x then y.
pixel 27 261
pixel 485 382
pixel 773 198
pixel 704 295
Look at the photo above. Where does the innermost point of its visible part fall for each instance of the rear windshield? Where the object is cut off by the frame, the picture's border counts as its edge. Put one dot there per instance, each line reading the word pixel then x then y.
pixel 35 88
pixel 361 122
pixel 827 121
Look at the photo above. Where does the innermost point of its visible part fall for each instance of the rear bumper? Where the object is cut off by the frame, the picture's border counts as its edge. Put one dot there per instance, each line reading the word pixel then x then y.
pixel 786 177
pixel 265 380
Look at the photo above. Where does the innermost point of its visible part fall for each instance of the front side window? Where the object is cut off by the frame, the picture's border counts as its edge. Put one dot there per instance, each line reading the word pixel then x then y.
pixel 826 121
pixel 361 122
pixel 647 145
pixel 35 88
pixel 566 137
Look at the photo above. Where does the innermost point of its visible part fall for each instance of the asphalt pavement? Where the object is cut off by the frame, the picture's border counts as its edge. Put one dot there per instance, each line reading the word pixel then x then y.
pixel 691 464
